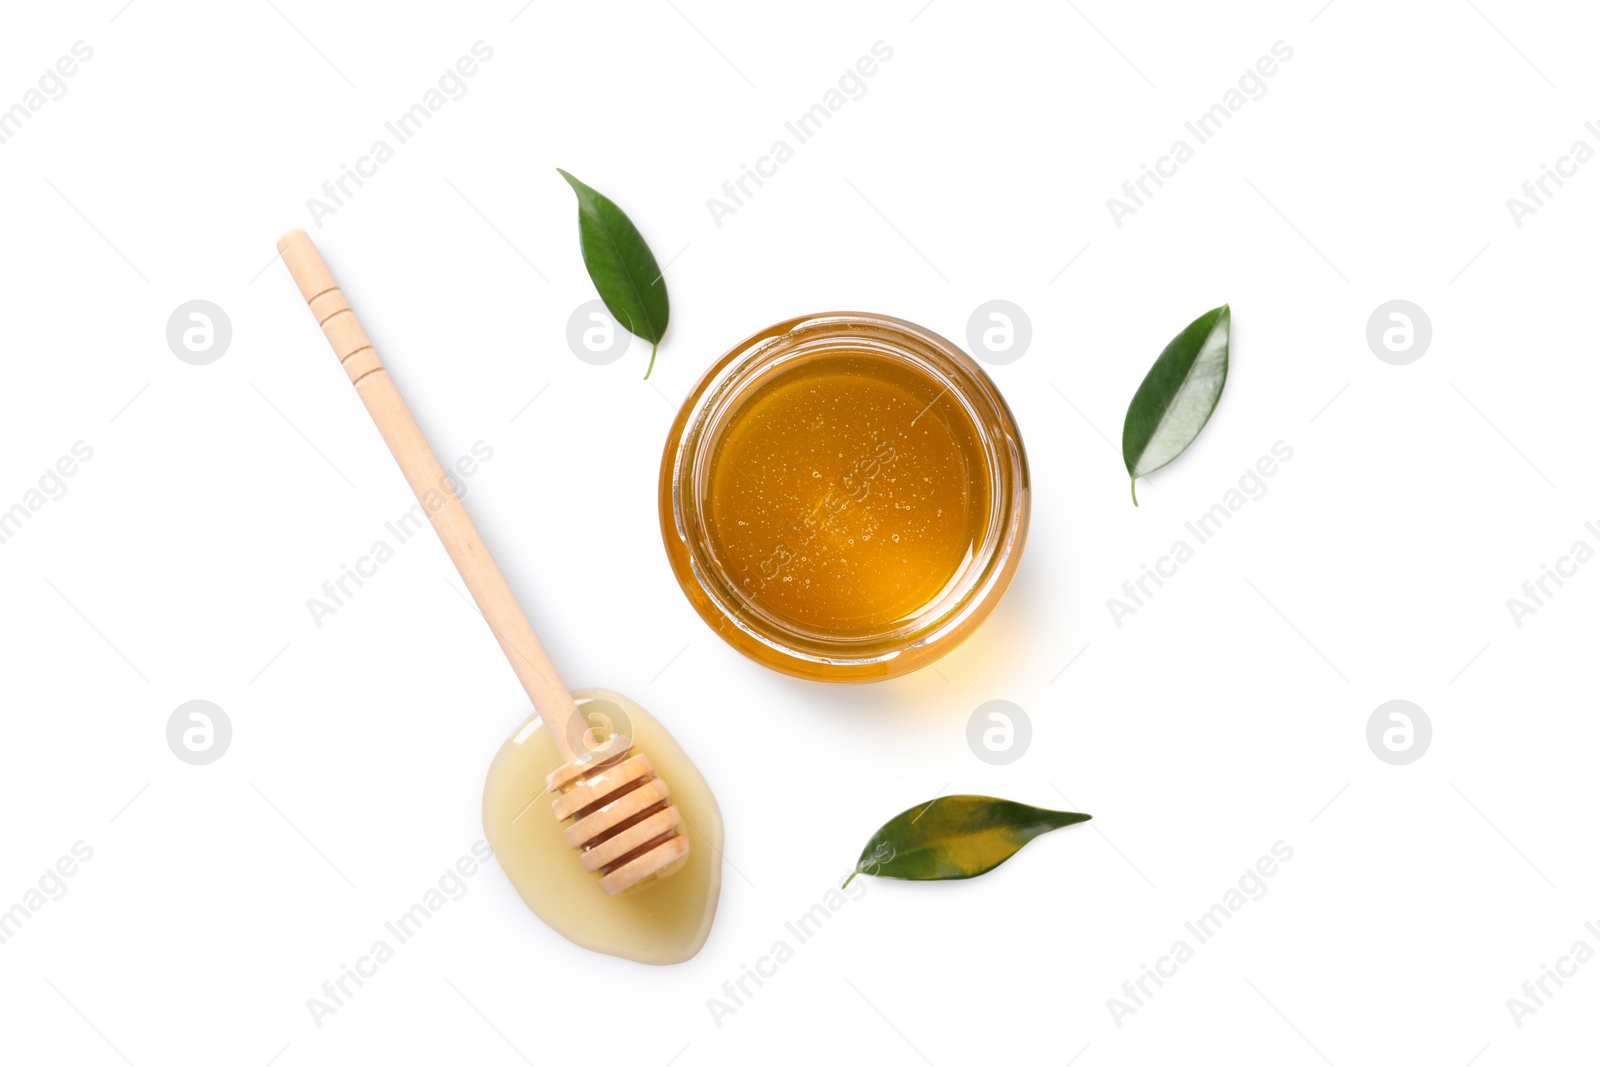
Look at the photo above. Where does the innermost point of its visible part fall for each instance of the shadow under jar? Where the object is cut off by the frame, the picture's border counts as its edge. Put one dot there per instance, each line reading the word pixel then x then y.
pixel 844 497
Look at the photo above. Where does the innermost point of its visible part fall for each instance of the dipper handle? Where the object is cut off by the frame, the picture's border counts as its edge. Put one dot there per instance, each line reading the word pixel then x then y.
pixel 434 490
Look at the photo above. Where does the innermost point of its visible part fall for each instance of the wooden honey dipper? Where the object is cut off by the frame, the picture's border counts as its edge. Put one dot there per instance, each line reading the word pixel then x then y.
pixel 623 823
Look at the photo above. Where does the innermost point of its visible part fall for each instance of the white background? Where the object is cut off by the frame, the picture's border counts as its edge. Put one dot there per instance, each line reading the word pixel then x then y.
pixel 1228 714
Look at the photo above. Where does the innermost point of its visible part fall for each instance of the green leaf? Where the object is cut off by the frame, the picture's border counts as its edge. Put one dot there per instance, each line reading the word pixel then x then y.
pixel 1177 397
pixel 956 837
pixel 621 266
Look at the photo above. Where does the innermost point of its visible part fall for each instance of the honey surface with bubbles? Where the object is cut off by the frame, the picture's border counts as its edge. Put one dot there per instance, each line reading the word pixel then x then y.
pixel 846 493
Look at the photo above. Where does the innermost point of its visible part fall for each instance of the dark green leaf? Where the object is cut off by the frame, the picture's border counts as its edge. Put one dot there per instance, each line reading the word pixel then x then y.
pixel 1177 397
pixel 621 266
pixel 956 837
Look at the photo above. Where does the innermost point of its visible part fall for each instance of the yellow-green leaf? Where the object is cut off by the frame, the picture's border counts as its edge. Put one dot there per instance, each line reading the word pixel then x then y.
pixel 956 837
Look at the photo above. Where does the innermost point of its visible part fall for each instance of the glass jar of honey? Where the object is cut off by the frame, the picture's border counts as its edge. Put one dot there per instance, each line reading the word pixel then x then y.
pixel 844 497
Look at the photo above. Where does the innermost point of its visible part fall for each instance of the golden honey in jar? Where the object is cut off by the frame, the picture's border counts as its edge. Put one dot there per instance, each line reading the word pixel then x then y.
pixel 844 497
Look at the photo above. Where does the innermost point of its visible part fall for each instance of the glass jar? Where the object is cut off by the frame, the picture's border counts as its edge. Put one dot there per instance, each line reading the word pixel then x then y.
pixel 844 497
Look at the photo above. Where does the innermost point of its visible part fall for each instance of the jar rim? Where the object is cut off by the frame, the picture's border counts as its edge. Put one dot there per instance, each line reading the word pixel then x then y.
pixel 740 619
